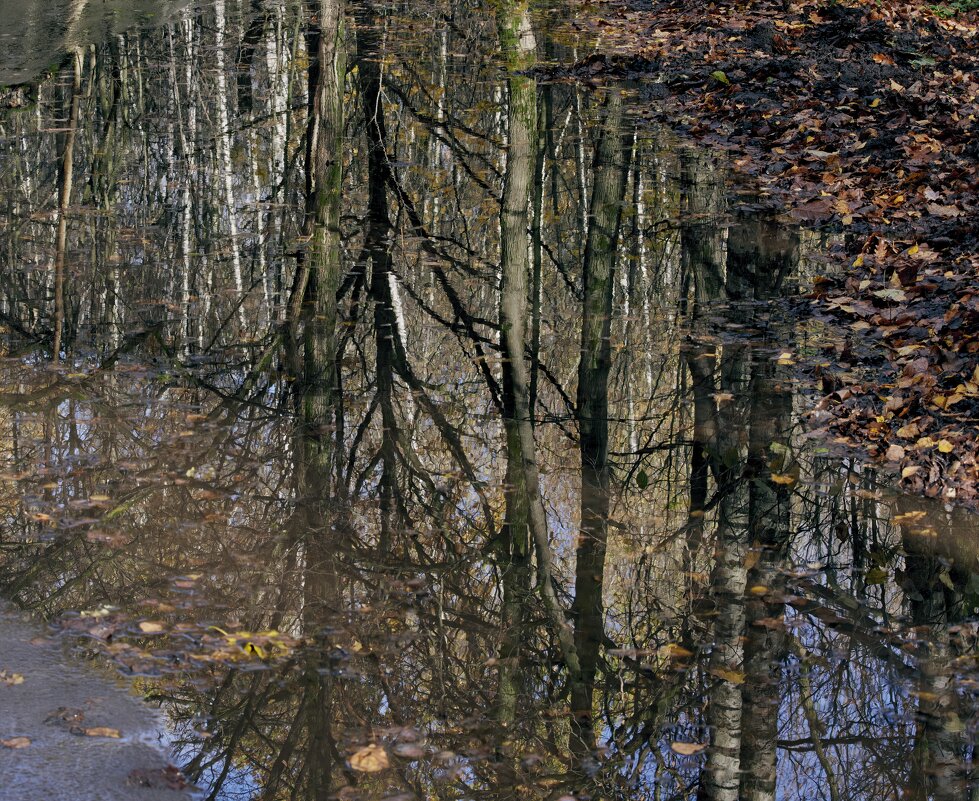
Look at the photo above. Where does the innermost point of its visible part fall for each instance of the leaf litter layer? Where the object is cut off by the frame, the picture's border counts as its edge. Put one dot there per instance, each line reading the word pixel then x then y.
pixel 856 118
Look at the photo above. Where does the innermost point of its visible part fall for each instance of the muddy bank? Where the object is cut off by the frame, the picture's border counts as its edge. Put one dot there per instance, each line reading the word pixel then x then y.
pixel 67 732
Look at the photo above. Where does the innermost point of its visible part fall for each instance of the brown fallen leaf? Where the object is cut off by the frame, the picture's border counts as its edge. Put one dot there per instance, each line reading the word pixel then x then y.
pixel 16 742
pixel 102 731
pixel 895 453
pixel 370 759
pixel 688 749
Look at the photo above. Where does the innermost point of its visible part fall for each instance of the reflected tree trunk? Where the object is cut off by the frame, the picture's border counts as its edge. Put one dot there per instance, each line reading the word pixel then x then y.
pixel 760 254
pixel 524 494
pixel 941 744
pixel 388 334
pixel 610 171
pixel 65 175
pixel 313 305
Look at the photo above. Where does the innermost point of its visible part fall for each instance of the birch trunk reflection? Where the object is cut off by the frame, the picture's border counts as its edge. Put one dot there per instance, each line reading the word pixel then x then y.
pixel 66 168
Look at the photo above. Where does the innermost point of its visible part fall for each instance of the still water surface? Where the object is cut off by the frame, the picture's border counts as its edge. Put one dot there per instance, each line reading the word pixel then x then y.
pixel 529 512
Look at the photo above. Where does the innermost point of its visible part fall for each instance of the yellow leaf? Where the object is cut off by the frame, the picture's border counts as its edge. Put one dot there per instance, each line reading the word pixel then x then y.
pixel 733 676
pixel 945 446
pixel 370 759
pixel 255 650
pixel 784 479
pixel 674 651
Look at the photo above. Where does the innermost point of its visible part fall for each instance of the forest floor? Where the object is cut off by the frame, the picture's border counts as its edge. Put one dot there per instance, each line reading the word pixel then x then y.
pixel 859 118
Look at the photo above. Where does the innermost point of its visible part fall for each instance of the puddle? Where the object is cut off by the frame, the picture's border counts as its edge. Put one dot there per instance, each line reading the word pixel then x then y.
pixel 391 548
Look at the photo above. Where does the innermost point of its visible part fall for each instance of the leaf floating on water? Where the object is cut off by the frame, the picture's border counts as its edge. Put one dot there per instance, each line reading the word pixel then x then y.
pixel 409 750
pixel 370 759
pixel 674 651
pixel 11 679
pixel 876 575
pixel 102 731
pixel 16 742
pixel 642 479
pixel 150 627
pixel 732 676
pixel 688 749
pixel 784 479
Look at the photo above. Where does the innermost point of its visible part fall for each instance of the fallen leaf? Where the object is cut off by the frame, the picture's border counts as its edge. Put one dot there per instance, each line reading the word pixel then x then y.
pixel 945 446
pixel 897 295
pixel 733 676
pixel 11 679
pixel 16 742
pixel 895 453
pixel 102 731
pixel 688 749
pixel 876 575
pixel 370 759
pixel 784 479
pixel 409 750
pixel 149 627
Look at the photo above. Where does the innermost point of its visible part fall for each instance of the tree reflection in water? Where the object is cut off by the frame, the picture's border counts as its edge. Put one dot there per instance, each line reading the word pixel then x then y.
pixel 428 405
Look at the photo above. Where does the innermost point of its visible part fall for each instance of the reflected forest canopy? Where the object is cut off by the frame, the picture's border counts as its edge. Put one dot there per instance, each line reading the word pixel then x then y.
pixel 411 427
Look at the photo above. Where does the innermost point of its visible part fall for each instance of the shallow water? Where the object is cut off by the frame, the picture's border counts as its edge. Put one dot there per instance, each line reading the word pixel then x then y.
pixel 309 540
